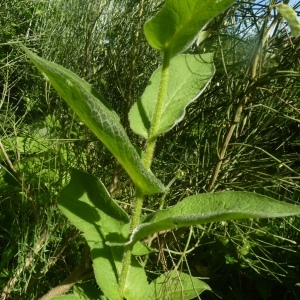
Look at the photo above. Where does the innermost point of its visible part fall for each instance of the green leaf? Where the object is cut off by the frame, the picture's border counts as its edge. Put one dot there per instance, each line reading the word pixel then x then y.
pixel 137 286
pixel 212 207
pixel 87 291
pixel 105 269
pixel 189 76
pixel 176 286
pixel 107 263
pixel 141 249
pixel 177 24
pixel 104 123
pixel 291 17
pixel 88 206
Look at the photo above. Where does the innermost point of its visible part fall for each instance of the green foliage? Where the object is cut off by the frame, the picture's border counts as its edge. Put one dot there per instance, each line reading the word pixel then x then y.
pixel 168 286
pixel 100 221
pixel 86 290
pixel 171 32
pixel 291 17
pixel 97 115
pixel 256 73
pixel 189 76
pixel 79 200
pixel 96 214
pixel 212 207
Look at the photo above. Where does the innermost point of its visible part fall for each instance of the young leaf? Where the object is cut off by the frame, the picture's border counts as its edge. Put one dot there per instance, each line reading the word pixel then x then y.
pixel 177 24
pixel 189 76
pixel 104 123
pixel 212 207
pixel 176 286
pixel 291 17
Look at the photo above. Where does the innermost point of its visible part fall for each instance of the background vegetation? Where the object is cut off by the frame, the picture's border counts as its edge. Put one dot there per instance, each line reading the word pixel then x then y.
pixel 243 133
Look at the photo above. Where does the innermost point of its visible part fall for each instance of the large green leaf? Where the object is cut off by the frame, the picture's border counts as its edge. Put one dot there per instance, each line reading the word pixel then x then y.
pixel 107 263
pixel 176 285
pixel 189 76
pixel 177 24
pixel 88 206
pixel 212 207
pixel 105 269
pixel 104 123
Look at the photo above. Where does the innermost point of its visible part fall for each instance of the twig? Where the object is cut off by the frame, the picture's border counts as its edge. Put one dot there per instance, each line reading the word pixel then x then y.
pixel 239 110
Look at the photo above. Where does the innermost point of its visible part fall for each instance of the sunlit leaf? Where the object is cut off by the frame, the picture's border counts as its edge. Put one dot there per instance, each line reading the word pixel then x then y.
pixel 176 285
pixel 89 207
pixel 189 76
pixel 100 118
pixel 291 17
pixel 212 207
pixel 178 23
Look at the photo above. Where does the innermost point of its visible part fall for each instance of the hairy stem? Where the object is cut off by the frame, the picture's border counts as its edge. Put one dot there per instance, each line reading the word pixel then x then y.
pixel 127 256
pixel 157 112
pixel 147 163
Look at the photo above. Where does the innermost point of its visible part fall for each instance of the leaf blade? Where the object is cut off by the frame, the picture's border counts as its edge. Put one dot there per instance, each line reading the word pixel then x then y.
pixel 103 259
pixel 87 204
pixel 177 24
pixel 103 122
pixel 110 259
pixel 176 286
pixel 213 207
pixel 189 76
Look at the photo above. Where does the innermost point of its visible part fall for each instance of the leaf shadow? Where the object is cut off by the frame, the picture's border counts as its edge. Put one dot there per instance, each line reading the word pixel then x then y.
pixel 81 198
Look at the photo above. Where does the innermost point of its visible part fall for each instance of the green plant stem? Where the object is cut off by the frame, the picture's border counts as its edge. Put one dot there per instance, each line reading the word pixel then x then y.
pixel 158 111
pixel 183 255
pixel 124 272
pixel 147 163
pixel 137 209
pixel 127 255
